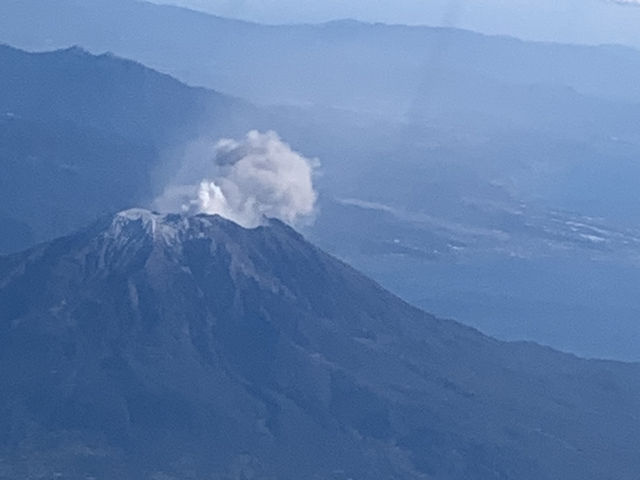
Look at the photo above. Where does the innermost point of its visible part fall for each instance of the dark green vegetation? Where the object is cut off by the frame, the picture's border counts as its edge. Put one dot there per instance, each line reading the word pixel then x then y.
pixel 188 347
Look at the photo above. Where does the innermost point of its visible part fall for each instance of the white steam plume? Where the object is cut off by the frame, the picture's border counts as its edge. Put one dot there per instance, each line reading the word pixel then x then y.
pixel 246 181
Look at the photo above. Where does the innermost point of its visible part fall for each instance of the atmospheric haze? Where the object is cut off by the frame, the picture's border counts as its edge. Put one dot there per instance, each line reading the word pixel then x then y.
pixel 573 21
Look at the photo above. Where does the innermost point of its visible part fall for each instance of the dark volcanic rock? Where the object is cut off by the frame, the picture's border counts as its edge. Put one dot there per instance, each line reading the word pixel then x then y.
pixel 183 347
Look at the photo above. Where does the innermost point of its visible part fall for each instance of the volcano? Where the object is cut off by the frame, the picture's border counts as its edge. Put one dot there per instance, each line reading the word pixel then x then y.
pixel 187 347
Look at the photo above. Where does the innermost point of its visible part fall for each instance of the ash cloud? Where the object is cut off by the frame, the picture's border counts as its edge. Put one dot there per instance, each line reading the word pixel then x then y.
pixel 245 181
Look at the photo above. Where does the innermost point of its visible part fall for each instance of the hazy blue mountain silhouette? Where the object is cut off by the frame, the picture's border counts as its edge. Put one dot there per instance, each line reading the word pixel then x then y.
pixel 311 63
pixel 82 135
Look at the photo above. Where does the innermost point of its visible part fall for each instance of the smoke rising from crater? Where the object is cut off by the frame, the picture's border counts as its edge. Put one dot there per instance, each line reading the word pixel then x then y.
pixel 245 181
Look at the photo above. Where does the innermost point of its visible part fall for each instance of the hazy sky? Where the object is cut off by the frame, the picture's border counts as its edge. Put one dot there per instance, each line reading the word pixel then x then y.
pixel 577 21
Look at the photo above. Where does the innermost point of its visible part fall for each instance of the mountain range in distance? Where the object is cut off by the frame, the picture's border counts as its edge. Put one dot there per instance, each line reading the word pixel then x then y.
pixel 313 64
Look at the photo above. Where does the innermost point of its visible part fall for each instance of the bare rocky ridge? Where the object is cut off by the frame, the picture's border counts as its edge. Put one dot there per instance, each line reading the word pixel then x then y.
pixel 152 346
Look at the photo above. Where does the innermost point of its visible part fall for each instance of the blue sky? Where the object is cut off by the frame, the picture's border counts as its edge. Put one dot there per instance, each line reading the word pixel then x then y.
pixel 574 21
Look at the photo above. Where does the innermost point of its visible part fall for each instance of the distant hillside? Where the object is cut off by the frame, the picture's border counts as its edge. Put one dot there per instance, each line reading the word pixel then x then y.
pixel 374 67
pixel 82 135
pixel 105 93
